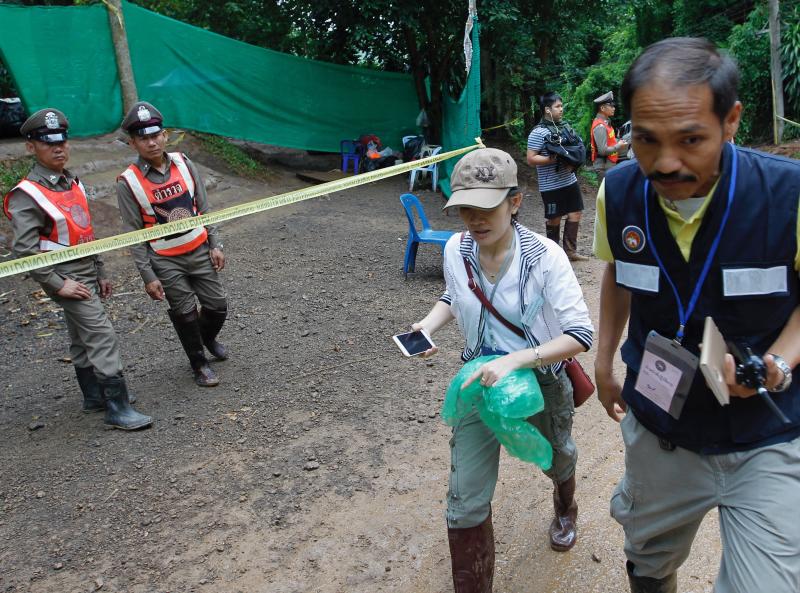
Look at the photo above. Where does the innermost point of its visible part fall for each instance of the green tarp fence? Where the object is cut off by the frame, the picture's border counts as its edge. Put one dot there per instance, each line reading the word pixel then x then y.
pixel 462 117
pixel 63 57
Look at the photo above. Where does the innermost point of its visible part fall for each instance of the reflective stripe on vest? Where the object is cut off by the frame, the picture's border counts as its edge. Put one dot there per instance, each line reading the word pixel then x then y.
pixel 612 140
pixel 170 246
pixel 67 231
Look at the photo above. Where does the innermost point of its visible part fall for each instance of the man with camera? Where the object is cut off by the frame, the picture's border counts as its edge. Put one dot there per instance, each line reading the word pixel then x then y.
pixel 697 227
pixel 558 184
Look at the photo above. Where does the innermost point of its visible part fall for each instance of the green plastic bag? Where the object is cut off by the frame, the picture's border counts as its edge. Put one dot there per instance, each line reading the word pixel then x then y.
pixel 504 408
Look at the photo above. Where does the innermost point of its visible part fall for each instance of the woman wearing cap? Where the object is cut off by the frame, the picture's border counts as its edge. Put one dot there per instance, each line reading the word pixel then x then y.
pixel 529 281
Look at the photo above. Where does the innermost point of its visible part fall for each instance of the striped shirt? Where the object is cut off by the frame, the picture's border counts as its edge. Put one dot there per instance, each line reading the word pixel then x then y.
pixel 549 177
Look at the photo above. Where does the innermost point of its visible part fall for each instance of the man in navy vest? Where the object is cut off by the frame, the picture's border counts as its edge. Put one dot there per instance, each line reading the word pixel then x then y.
pixel 698 228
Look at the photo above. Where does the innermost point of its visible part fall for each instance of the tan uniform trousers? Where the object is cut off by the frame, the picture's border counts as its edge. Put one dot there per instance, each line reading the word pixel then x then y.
pixel 189 276
pixel 93 341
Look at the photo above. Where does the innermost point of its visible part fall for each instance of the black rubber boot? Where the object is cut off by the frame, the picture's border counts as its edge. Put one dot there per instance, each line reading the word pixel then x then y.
pixel 553 232
pixel 211 322
pixel 119 412
pixel 188 328
pixel 472 557
pixel 668 584
pixel 92 395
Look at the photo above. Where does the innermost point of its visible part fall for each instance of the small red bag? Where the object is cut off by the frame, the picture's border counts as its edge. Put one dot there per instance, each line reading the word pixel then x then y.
pixel 582 386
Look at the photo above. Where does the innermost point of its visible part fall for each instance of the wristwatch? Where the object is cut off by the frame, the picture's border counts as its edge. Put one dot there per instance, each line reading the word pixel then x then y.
pixel 787 374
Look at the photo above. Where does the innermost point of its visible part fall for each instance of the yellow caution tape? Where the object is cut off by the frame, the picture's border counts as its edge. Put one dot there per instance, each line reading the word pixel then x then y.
pixel 504 124
pixel 32 262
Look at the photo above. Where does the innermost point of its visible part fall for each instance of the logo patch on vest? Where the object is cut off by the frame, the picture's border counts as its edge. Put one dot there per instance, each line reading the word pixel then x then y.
pixel 633 238
pixel 80 216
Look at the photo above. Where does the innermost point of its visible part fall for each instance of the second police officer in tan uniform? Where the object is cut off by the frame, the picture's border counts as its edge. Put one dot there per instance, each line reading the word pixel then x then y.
pixel 161 187
pixel 49 211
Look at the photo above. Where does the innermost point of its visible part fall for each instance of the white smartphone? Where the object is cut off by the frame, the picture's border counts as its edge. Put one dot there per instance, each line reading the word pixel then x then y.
pixel 413 343
pixel 712 361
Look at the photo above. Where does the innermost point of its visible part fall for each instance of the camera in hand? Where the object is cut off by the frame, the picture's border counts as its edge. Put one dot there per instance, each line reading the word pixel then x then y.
pixel 751 371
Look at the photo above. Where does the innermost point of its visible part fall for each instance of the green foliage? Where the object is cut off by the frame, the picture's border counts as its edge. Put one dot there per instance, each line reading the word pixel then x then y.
pixel 606 75
pixel 12 170
pixel 237 159
pixel 790 58
pixel 751 49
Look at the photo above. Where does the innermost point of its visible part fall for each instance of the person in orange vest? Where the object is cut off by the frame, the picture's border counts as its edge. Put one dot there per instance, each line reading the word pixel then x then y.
pixel 184 268
pixel 49 211
pixel 606 149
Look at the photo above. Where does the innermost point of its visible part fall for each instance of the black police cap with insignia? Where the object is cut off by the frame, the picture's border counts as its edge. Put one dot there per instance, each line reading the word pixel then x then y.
pixel 46 125
pixel 142 119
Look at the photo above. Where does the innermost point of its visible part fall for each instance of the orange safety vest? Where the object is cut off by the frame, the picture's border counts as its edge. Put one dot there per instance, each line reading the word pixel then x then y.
pixel 68 211
pixel 612 139
pixel 165 202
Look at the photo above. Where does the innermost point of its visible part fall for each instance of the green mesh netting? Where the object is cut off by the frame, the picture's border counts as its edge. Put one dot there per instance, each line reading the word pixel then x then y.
pixel 462 118
pixel 63 57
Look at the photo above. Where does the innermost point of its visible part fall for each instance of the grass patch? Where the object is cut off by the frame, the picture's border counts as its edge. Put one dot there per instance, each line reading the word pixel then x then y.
pixel 589 176
pixel 12 171
pixel 237 159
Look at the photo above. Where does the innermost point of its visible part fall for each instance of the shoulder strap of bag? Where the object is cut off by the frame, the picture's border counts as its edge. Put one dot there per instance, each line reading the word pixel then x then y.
pixel 473 286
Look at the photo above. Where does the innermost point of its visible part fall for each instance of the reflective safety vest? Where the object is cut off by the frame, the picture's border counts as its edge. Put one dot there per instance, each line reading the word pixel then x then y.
pixel 612 139
pixel 67 210
pixel 171 200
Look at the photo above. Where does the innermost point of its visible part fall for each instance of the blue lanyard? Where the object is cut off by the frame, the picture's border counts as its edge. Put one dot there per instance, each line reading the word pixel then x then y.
pixel 685 314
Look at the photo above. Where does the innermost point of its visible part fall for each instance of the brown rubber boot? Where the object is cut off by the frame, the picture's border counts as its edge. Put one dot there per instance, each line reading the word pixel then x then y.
pixel 571 241
pixel 553 232
pixel 472 557
pixel 668 584
pixel 563 532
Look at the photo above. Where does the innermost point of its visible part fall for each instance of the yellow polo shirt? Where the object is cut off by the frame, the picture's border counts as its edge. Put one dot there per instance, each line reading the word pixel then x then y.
pixel 682 230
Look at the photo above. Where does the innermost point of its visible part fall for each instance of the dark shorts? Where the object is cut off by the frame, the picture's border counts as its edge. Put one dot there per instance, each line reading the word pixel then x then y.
pixel 562 201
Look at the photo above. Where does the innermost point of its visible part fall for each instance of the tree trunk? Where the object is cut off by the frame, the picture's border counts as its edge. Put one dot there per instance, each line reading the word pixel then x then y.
pixel 124 68
pixel 775 67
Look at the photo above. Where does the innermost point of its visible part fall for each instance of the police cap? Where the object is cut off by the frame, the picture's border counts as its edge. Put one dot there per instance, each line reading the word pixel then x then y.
pixel 46 125
pixel 143 119
pixel 606 98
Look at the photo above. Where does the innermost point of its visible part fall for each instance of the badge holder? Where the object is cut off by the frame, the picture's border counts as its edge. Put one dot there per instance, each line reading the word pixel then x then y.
pixel 666 373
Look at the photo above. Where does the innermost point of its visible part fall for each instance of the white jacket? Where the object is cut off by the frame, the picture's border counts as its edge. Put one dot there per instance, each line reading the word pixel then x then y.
pixel 547 285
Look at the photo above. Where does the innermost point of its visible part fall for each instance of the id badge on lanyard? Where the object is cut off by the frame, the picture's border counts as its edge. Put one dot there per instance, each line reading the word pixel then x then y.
pixel 666 373
pixel 667 369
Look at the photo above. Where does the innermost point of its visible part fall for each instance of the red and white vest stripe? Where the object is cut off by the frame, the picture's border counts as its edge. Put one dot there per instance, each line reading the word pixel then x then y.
pixel 68 211
pixel 161 201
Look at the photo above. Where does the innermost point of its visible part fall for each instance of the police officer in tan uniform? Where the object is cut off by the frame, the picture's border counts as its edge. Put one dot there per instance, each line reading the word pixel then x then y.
pixel 161 187
pixel 606 149
pixel 49 211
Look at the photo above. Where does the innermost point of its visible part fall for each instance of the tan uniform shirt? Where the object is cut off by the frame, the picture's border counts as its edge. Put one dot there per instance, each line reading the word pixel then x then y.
pixel 29 222
pixel 132 215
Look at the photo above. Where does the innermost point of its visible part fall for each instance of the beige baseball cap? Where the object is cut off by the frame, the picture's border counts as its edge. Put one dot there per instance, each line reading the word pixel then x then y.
pixel 482 179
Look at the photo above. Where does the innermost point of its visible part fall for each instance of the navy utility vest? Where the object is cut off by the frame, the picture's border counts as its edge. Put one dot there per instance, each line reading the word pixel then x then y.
pixel 760 237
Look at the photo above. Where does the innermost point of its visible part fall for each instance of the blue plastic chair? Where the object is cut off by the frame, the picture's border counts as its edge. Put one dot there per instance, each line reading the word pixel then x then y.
pixel 432 169
pixel 351 152
pixel 426 235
